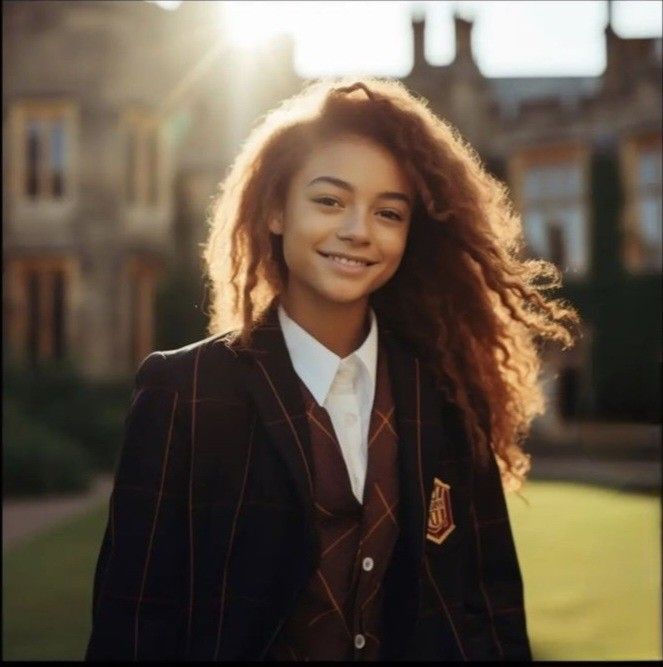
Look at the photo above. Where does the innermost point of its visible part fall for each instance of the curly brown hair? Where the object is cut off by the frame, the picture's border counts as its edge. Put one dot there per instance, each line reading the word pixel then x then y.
pixel 481 314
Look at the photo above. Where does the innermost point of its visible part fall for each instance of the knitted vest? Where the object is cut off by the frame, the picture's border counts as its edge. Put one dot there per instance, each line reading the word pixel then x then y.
pixel 338 615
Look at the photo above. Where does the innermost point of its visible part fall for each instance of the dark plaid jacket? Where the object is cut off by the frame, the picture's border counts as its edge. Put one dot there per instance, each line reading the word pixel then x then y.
pixel 344 599
pixel 211 529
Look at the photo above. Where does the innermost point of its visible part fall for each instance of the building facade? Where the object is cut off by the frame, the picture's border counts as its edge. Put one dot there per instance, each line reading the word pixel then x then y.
pixel 120 120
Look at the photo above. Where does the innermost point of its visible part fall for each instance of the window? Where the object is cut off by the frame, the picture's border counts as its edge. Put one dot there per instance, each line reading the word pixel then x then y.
pixel 641 165
pixel 143 160
pixel 43 136
pixel 142 277
pixel 38 306
pixel 553 200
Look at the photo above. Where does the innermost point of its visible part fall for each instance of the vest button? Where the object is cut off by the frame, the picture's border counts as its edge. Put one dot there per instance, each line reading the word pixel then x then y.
pixel 367 564
pixel 360 641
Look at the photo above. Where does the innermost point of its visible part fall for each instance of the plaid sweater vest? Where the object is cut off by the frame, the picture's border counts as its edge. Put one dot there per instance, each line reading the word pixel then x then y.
pixel 338 615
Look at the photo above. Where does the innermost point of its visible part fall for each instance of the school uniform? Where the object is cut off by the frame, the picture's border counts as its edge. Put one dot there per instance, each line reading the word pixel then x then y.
pixel 244 524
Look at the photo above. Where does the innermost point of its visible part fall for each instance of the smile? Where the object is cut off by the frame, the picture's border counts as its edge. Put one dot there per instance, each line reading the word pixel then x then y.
pixel 345 260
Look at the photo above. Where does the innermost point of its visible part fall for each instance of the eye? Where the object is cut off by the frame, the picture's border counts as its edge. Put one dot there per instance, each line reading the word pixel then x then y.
pixel 391 215
pixel 326 201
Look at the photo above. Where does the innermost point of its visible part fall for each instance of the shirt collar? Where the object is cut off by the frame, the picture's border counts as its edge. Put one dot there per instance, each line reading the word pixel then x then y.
pixel 316 365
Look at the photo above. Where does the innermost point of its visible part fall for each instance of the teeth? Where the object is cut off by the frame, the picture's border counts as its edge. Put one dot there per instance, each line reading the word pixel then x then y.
pixel 347 262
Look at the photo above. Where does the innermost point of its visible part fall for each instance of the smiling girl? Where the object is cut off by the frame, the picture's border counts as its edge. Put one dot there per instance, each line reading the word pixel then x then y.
pixel 323 477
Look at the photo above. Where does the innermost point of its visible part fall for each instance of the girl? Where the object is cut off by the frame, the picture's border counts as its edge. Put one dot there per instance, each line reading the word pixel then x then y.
pixel 323 477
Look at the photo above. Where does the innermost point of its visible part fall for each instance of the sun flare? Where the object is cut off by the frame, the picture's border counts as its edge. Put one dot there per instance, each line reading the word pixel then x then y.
pixel 248 25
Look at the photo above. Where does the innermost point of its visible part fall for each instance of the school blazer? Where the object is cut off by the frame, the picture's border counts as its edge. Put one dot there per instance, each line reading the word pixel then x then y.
pixel 211 537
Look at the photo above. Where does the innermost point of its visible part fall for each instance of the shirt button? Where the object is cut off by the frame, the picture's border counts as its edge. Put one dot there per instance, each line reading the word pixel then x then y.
pixel 367 564
pixel 350 419
pixel 360 641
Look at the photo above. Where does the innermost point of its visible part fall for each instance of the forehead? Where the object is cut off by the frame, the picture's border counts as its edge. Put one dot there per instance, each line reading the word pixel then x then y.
pixel 363 163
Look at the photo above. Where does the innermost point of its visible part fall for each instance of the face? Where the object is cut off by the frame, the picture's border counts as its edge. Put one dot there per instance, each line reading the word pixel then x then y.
pixel 346 220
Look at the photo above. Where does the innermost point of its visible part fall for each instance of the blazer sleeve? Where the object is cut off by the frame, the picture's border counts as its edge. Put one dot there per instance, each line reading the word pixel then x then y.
pixel 494 601
pixel 140 579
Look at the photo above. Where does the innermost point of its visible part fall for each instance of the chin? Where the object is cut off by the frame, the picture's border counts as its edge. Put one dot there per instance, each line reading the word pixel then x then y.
pixel 344 296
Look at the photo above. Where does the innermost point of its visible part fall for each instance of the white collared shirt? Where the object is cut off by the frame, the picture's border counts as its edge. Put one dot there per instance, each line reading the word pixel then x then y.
pixel 344 387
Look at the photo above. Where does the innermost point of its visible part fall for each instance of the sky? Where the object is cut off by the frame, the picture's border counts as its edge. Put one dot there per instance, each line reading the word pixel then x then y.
pixel 510 38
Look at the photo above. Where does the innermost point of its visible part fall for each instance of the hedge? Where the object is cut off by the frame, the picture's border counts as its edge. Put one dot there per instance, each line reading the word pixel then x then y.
pixel 39 460
pixel 90 414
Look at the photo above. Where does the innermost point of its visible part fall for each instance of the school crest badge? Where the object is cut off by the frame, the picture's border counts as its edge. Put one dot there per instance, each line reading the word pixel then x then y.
pixel 440 518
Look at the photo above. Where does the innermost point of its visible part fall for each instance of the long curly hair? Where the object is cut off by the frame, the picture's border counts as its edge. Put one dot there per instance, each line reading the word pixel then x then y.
pixel 481 314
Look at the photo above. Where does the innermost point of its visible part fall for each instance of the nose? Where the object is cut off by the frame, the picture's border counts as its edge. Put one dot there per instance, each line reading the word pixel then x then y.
pixel 355 227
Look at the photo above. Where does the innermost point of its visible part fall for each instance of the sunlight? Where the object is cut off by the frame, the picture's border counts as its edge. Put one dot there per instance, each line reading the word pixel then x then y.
pixel 170 5
pixel 250 24
pixel 346 37
pixel 331 37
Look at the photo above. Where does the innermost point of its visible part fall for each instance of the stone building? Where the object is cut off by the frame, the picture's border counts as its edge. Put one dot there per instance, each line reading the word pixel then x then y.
pixel 582 157
pixel 120 119
pixel 97 98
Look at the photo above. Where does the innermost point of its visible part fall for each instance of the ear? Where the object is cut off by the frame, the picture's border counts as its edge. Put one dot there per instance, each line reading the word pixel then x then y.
pixel 275 224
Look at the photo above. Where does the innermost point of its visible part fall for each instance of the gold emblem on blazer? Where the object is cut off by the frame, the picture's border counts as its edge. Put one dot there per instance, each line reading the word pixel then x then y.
pixel 440 518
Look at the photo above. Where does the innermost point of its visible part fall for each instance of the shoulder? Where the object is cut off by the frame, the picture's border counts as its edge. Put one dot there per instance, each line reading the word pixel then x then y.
pixel 192 367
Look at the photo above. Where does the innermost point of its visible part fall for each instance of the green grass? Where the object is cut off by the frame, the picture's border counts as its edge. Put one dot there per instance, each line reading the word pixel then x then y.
pixel 590 560
pixel 47 591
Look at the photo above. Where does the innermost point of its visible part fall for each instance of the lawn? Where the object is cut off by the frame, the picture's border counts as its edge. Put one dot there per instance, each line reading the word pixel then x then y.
pixel 47 590
pixel 591 564
pixel 590 559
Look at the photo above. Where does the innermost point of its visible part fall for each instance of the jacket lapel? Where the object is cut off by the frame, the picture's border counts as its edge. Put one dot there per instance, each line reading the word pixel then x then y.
pixel 416 453
pixel 273 385
pixel 423 443
pixel 401 582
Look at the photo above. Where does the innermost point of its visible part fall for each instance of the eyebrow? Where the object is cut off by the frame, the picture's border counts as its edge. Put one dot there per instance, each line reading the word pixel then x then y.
pixel 346 186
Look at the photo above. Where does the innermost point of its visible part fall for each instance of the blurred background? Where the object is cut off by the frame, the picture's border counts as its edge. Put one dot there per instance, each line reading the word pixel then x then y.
pixel 119 121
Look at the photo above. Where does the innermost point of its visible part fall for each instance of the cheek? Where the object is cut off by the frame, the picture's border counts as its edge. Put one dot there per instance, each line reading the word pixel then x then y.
pixel 394 245
pixel 299 237
pixel 291 248
pixel 306 227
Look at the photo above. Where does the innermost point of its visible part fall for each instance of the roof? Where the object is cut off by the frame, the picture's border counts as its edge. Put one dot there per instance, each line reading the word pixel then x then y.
pixel 510 92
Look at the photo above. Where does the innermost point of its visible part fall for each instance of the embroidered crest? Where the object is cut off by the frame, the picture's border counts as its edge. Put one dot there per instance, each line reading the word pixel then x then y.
pixel 440 518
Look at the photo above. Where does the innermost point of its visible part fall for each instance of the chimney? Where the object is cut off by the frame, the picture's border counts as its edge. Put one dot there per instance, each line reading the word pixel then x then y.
pixel 418 30
pixel 608 26
pixel 613 73
pixel 463 30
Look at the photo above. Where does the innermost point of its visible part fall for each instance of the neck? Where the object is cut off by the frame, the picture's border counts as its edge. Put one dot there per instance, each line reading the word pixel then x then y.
pixel 340 327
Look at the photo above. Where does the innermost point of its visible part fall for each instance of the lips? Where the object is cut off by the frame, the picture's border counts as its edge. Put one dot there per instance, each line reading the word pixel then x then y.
pixel 347 260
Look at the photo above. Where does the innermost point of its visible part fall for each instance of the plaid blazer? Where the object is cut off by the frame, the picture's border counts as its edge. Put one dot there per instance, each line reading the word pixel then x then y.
pixel 211 533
